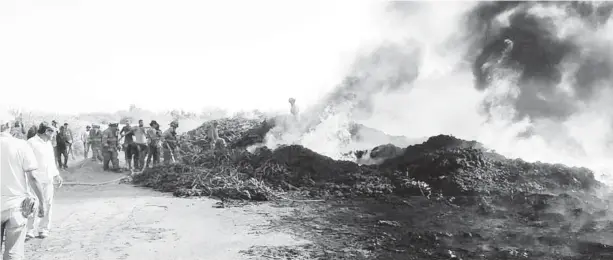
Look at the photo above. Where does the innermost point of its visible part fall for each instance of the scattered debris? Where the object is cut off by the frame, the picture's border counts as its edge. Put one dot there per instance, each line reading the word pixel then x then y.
pixel 389 223
pixel 219 205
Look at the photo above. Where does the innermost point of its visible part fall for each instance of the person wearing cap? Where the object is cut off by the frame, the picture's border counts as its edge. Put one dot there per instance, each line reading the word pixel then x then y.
pixel 17 164
pixel 46 175
pixel 140 139
pixel 95 141
pixel 85 140
pixel 171 143
pixel 110 147
pixel 154 134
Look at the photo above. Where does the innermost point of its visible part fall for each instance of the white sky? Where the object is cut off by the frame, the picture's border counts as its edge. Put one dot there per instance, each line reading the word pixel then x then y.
pixel 92 55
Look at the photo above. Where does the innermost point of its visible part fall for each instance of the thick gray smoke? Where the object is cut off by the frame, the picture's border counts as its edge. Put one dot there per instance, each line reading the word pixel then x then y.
pixel 529 79
pixel 388 68
pixel 541 49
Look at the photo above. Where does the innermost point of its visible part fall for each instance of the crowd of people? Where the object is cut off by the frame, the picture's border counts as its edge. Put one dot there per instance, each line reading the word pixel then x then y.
pixel 142 146
pixel 30 163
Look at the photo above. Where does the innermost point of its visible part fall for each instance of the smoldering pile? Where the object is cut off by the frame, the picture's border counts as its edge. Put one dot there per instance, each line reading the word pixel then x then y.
pixel 463 190
pixel 442 165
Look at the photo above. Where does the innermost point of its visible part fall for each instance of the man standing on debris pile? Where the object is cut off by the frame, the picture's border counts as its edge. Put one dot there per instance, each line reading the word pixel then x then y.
pixel 213 134
pixel 293 108
pixel 95 141
pixel 140 139
pixel 170 143
pixel 85 141
pixel 62 145
pixel 46 175
pixel 292 122
pixel 155 143
pixel 129 147
pixel 17 163
pixel 110 147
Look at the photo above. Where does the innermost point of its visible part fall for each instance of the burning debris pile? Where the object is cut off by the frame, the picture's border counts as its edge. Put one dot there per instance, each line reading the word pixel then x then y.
pixel 442 165
pixel 443 199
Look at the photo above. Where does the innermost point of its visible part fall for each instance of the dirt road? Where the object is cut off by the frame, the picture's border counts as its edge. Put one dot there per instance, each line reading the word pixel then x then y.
pixel 119 221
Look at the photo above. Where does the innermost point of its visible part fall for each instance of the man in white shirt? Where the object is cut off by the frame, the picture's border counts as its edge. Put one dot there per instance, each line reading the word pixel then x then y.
pixel 17 162
pixel 46 174
pixel 140 139
pixel 84 139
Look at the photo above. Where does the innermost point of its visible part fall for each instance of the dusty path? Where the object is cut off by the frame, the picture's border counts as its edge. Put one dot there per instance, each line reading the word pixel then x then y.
pixel 119 221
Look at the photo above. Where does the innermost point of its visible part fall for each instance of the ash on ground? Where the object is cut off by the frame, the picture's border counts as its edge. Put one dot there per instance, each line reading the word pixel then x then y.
pixel 443 199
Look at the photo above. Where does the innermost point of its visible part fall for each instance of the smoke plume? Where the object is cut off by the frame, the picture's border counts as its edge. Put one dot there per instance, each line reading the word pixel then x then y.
pixel 529 79
pixel 550 39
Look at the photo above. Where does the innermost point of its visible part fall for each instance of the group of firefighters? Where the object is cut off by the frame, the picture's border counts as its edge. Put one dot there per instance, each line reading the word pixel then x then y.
pixel 142 145
pixel 139 144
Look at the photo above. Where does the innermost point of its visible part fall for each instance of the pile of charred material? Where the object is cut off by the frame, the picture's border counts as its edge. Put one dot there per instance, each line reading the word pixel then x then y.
pixel 443 199
pixel 442 165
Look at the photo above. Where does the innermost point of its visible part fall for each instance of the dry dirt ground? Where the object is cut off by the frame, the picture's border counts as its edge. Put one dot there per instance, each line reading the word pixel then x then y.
pixel 119 221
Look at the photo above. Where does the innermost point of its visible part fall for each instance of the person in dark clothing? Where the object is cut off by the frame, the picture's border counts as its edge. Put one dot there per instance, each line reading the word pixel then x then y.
pixel 62 148
pixel 111 148
pixel 154 135
pixel 129 147
pixel 32 132
pixel 170 143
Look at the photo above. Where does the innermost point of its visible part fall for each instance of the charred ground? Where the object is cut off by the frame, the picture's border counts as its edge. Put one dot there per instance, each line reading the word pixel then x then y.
pixel 446 198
